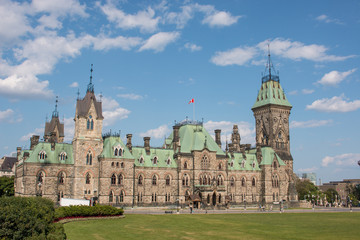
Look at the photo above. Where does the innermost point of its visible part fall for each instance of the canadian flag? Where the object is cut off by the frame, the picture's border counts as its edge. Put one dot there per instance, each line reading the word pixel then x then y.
pixel 191 101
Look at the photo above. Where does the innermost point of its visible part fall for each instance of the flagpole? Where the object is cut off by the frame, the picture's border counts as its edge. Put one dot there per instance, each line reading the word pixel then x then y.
pixel 194 111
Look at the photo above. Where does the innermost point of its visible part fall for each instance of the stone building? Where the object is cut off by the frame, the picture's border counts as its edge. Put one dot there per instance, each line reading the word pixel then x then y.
pixel 190 167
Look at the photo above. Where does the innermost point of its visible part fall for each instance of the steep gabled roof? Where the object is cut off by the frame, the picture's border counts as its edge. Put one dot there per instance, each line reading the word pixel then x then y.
pixel 271 92
pixel 50 127
pixel 162 156
pixel 110 143
pixel 83 105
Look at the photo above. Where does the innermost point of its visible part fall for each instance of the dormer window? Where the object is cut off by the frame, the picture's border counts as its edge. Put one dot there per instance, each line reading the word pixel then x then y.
pixel 168 161
pixel 90 123
pixel 155 160
pixel 62 156
pixel 141 160
pixel 42 155
pixel 118 151
pixel 253 165
pixel 243 164
pixel 232 163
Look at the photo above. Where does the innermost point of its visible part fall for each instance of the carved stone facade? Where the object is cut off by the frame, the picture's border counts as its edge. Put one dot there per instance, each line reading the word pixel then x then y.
pixel 190 168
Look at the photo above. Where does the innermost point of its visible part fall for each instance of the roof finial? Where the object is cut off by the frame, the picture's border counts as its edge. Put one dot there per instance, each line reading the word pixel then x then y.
pixel 78 94
pixel 90 87
pixel 269 67
pixel 55 112
pixel 269 60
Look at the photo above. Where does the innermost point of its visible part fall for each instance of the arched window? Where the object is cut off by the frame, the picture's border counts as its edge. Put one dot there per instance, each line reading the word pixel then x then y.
pixel 219 198
pixel 200 180
pixel 253 164
pixel 232 163
pixel 232 181
pixel 90 123
pixel 89 158
pixel 111 196
pixel 116 152
pixel 155 159
pixel 61 178
pixel 141 160
pixel 112 164
pixel 275 181
pixel 168 161
pixel 122 165
pixel 220 166
pixel 243 182
pixel 275 165
pixel 185 165
pixel 205 163
pixel 185 180
pixel 154 179
pixel 40 177
pixel 62 156
pixel 87 178
pixel 140 180
pixel 253 182
pixel 42 155
pixel 122 194
pixel 121 179
pixel 167 180
pixel 113 179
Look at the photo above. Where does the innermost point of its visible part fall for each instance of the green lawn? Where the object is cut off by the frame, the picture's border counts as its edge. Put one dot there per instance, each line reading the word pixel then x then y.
pixel 221 226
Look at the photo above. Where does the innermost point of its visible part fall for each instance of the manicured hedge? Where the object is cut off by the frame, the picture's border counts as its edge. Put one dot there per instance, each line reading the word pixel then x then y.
pixel 28 218
pixel 86 211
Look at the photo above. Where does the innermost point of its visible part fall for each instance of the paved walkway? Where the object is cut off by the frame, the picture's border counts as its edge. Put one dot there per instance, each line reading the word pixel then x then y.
pixel 234 210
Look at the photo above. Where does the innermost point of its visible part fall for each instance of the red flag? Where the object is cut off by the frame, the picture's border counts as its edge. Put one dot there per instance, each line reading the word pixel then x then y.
pixel 191 101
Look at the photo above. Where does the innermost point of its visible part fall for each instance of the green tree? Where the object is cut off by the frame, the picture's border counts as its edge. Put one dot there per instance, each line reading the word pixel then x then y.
pixel 331 195
pixel 306 189
pixel 6 186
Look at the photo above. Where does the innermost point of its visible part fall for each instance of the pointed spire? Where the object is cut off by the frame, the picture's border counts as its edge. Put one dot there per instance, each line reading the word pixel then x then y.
pixel 90 87
pixel 269 67
pixel 55 112
pixel 78 94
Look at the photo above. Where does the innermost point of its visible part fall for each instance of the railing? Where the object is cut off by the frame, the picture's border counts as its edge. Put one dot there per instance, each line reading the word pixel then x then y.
pixel 270 77
pixel 111 134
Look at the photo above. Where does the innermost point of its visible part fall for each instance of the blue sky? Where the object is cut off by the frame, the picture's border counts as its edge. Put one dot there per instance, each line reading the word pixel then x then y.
pixel 151 57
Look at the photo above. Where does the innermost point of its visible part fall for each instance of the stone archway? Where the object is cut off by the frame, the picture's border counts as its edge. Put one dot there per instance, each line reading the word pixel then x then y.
pixel 214 199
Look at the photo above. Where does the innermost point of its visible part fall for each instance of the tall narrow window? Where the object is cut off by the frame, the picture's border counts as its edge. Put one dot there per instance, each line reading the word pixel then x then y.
pixel 40 178
pixel 253 183
pixel 167 180
pixel 62 156
pixel 89 158
pixel 111 197
pixel 140 180
pixel 61 178
pixel 87 178
pixel 154 180
pixel 122 194
pixel 121 179
pixel 113 179
pixel 42 155
pixel 243 182
pixel 90 123
pixel 232 181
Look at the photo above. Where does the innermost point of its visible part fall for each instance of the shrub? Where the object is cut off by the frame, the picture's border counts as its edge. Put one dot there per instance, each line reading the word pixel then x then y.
pixel 23 217
pixel 87 211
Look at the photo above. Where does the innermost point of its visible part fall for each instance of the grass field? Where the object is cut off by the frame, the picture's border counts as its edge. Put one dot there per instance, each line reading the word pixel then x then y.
pixel 221 226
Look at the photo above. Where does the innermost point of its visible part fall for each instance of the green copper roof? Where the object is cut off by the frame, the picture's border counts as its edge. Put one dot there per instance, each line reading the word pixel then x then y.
pixel 110 143
pixel 271 92
pixel 164 157
pixel 238 162
pixel 268 155
pixel 51 156
pixel 194 137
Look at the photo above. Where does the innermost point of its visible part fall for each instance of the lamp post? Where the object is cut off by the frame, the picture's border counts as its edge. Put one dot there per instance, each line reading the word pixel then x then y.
pixel 244 204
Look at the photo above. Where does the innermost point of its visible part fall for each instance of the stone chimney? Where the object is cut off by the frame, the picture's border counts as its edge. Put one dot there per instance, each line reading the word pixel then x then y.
pixel 176 137
pixel 34 140
pixel 218 137
pixel 147 145
pixel 18 152
pixel 129 144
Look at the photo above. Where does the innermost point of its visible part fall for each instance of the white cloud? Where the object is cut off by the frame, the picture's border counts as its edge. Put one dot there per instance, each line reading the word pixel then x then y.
pixel 74 85
pixel 220 19
pixel 125 43
pixel 307 91
pixel 327 19
pixel 37 131
pixel 346 159
pixel 236 56
pixel 246 130
pixel 157 133
pixel 181 18
pixel 334 104
pixel 159 41
pixel 69 128
pixel 334 77
pixel 310 123
pixel 281 47
pixel 144 20
pixel 130 96
pixel 308 170
pixel 7 115
pixel 60 7
pixel 192 47
pixel 297 50
pixel 112 111
pixel 294 92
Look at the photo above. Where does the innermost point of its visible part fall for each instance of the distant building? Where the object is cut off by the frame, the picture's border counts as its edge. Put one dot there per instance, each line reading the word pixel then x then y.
pixel 310 176
pixel 7 166
pixel 342 187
